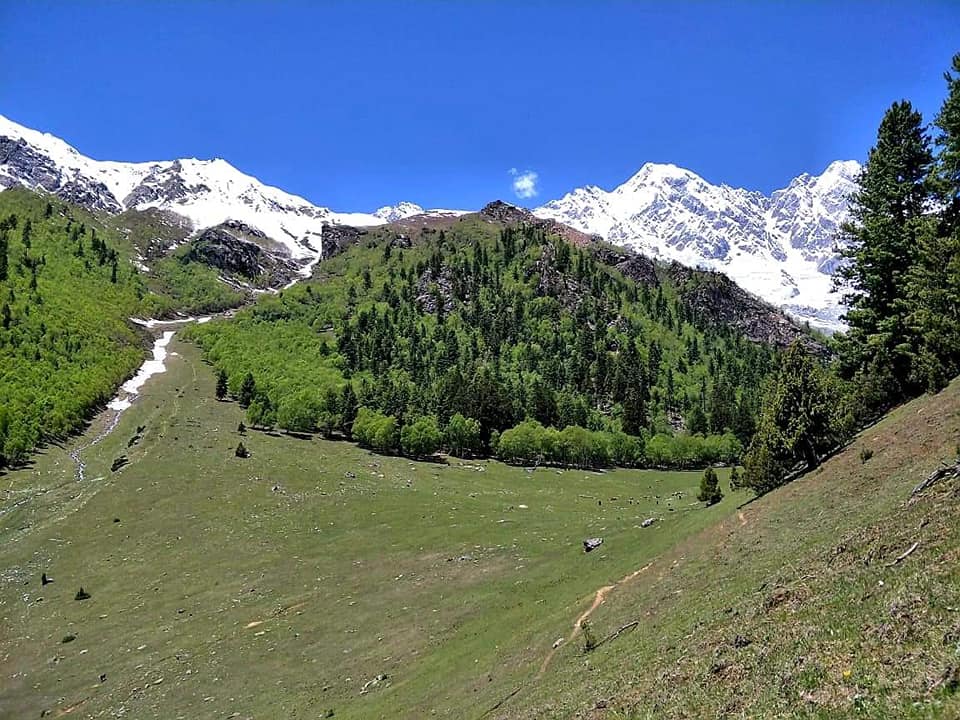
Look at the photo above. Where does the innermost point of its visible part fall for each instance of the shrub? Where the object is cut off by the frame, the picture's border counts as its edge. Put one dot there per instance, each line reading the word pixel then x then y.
pixel 421 437
pixel 710 488
pixel 462 435
pixel 375 430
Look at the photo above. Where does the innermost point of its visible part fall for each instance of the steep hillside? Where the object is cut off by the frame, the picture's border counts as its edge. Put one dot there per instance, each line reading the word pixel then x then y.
pixel 70 282
pixel 495 316
pixel 836 596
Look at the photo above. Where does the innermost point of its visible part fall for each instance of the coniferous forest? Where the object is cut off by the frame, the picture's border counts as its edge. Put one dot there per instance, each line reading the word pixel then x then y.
pixel 490 338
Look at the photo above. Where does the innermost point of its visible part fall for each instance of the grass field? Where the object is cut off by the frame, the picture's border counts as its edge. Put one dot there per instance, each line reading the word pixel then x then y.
pixel 312 578
pixel 836 596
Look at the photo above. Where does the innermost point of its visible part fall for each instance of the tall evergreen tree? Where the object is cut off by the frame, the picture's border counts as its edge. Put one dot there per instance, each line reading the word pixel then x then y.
pixel 886 223
pixel 935 278
pixel 221 391
pixel 710 492
pixel 248 390
pixel 4 249
pixel 797 423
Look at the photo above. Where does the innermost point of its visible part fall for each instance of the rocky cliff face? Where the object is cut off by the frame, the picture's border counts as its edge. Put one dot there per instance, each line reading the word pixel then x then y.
pixel 712 298
pixel 239 259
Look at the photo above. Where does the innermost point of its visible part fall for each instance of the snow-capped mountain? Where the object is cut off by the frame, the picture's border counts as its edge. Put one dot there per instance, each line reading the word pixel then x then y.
pixel 781 247
pixel 206 192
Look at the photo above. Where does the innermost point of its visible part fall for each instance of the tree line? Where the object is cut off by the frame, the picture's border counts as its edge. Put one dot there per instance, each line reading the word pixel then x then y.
pixel 901 282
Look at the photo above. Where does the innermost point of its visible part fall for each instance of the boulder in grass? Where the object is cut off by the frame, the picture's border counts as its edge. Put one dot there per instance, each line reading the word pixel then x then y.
pixel 592 544
pixel 648 522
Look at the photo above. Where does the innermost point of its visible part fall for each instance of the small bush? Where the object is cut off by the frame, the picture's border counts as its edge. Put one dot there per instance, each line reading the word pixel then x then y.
pixel 865 455
pixel 589 639
pixel 710 492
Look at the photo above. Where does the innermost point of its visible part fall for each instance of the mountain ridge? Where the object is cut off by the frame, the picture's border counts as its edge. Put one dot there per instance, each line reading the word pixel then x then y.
pixel 780 247
pixel 205 192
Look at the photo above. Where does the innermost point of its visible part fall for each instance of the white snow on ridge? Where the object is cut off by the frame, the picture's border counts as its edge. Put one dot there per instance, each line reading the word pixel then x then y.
pixel 206 192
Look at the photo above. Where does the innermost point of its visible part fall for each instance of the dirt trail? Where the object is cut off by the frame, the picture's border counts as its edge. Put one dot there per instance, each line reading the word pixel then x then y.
pixel 598 599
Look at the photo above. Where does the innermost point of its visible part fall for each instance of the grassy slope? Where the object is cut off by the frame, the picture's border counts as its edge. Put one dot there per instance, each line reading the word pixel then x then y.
pixel 807 576
pixel 349 577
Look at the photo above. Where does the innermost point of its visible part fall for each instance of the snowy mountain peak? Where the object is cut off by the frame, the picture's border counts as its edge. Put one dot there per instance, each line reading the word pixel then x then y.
pixel 206 192
pixel 392 213
pixel 781 247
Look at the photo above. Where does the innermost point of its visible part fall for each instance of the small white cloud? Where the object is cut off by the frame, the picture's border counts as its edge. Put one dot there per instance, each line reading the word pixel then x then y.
pixel 524 183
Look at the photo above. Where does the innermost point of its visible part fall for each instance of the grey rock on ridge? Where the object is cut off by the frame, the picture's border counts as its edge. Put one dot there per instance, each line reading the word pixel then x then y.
pixel 25 165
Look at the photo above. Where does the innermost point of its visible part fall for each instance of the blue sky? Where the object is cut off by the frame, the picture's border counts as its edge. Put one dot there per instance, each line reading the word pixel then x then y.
pixel 360 104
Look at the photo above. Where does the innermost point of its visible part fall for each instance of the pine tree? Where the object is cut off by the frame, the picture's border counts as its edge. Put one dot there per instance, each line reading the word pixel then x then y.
pixel 735 478
pixel 4 249
pixel 935 278
pixel 886 222
pixel 797 423
pixel 697 419
pixel 710 492
pixel 248 390
pixel 221 391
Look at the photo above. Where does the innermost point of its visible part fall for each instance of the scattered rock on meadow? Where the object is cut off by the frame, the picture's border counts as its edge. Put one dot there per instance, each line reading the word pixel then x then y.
pixel 592 544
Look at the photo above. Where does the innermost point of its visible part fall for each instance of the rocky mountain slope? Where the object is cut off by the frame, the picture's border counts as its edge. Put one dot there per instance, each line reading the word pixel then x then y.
pixel 782 247
pixel 204 192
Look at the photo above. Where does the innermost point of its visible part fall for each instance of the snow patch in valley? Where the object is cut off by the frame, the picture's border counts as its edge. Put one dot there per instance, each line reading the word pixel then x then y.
pixel 131 388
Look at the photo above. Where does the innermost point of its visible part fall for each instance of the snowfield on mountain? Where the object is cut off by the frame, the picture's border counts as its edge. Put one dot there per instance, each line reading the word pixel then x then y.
pixel 782 247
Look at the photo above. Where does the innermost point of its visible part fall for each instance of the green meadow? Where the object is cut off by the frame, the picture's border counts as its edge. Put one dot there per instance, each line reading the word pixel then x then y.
pixel 311 579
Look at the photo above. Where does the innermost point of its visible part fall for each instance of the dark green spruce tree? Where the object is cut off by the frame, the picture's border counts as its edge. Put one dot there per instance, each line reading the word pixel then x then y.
pixel 887 221
pixel 710 492
pixel 221 391
pixel 248 390
pixel 797 424
pixel 935 277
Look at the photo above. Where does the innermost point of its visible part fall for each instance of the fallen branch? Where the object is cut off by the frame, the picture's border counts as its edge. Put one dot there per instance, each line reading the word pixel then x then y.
pixel 501 702
pixel 905 555
pixel 614 635
pixel 936 476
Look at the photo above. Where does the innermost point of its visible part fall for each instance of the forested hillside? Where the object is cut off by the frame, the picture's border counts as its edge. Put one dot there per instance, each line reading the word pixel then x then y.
pixel 68 286
pixel 485 336
pixel 65 343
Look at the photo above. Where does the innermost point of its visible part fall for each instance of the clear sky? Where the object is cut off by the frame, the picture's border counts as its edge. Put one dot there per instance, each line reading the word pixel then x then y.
pixel 360 104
